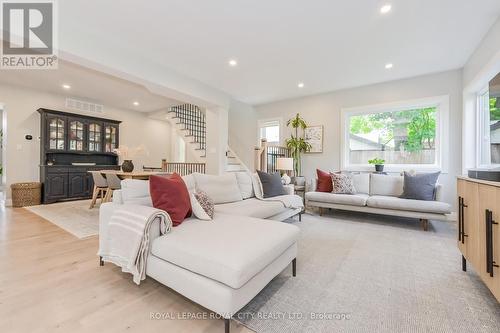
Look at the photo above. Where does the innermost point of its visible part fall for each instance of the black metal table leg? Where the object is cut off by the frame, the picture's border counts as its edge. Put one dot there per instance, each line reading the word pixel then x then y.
pixel 464 264
pixel 227 325
pixel 294 267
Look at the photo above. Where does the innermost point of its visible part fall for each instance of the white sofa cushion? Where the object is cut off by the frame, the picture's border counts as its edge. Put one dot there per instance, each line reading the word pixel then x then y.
pixel 245 184
pixel 231 249
pixel 136 192
pixel 361 182
pixel 221 189
pixel 251 207
pixel 358 199
pixel 190 182
pixel 389 202
pixel 257 186
pixel 386 185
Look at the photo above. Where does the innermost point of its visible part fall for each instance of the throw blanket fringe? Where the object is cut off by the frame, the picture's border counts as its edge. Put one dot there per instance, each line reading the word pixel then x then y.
pixel 128 237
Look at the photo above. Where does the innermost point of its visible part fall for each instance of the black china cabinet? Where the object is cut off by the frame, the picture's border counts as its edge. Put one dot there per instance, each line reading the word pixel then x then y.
pixel 70 146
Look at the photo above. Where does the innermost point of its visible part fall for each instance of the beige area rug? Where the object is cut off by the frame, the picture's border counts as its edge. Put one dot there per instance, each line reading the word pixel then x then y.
pixel 73 216
pixel 368 274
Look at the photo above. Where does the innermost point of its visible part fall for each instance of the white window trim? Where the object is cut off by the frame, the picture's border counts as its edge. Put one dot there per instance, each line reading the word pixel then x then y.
pixel 481 134
pixel 262 122
pixel 442 135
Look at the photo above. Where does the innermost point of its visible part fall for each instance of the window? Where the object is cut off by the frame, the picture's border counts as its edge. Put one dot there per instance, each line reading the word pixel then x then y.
pixel 404 134
pixel 270 130
pixel 489 124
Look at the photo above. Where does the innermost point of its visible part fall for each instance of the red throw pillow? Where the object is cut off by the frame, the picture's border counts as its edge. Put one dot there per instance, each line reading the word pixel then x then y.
pixel 324 181
pixel 169 193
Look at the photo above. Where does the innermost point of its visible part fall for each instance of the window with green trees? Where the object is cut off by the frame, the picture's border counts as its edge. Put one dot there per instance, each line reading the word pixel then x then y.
pixel 406 136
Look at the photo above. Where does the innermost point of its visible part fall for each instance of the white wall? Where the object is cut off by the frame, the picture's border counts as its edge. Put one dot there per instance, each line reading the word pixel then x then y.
pixel 23 156
pixel 482 66
pixel 325 109
pixel 243 131
pixel 484 53
pixel 216 140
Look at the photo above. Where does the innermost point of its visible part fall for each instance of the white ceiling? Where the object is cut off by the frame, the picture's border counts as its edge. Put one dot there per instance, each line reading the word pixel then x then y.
pixel 327 44
pixel 88 85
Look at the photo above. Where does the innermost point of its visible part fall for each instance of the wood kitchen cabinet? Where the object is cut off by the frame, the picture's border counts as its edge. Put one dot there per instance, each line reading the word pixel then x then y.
pixel 479 229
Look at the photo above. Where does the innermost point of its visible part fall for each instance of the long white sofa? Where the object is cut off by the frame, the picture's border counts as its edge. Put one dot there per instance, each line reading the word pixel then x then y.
pixel 220 264
pixel 380 194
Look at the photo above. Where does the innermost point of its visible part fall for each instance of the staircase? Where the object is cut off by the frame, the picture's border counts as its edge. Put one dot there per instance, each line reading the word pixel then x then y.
pixel 189 122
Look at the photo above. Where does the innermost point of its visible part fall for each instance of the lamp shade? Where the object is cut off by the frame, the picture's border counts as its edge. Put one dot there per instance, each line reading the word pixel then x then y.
pixel 284 163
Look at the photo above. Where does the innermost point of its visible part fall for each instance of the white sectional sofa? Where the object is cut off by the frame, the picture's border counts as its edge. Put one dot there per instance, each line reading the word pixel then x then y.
pixel 379 194
pixel 220 264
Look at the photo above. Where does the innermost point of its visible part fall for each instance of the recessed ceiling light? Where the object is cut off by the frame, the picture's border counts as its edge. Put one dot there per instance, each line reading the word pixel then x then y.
pixel 232 63
pixel 388 66
pixel 385 9
pixel 136 103
pixel 66 86
pixel 300 85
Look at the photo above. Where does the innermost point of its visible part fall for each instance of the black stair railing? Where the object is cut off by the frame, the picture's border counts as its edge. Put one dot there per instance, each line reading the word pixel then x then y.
pixel 193 120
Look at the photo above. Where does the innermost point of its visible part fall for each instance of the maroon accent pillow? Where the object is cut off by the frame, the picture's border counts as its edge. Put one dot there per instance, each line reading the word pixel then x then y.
pixel 324 181
pixel 169 193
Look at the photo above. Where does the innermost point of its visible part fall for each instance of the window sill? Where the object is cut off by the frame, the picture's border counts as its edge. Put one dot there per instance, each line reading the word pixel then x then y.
pixel 395 168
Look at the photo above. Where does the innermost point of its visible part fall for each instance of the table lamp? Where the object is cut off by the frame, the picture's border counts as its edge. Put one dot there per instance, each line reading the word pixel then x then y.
pixel 285 164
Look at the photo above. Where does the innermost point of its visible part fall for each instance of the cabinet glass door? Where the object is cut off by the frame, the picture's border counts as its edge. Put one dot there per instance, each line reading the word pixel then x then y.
pixel 110 138
pixel 56 133
pixel 95 137
pixel 76 135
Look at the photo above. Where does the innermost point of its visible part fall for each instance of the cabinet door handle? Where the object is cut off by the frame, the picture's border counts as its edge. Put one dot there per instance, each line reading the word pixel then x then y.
pixel 490 262
pixel 463 221
pixel 459 218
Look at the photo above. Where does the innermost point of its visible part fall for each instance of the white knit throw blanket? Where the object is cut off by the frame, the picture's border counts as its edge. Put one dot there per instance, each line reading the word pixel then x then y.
pixel 128 237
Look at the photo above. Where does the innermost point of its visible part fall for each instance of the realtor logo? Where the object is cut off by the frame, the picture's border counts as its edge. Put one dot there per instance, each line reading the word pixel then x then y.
pixel 29 35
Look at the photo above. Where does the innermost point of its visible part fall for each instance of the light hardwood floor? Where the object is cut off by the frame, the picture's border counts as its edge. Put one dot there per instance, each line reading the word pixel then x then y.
pixel 51 281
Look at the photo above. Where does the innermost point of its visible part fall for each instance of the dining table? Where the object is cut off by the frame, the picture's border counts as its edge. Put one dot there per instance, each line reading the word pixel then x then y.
pixel 143 175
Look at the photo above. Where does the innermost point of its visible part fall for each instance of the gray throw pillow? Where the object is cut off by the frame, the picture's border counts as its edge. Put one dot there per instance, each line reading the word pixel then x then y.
pixel 420 186
pixel 271 184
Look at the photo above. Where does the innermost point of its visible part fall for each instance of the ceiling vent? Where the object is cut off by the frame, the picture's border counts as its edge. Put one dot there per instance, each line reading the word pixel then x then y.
pixel 75 104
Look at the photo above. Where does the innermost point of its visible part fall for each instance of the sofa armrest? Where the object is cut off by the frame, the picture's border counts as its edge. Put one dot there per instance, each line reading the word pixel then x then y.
pixel 106 211
pixel 118 197
pixel 438 192
pixel 289 189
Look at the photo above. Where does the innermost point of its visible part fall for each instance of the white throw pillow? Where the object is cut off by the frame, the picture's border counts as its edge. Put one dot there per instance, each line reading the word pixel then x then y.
pixel 135 191
pixel 221 189
pixel 245 184
pixel 257 186
pixel 361 182
pixel 190 183
pixel 386 185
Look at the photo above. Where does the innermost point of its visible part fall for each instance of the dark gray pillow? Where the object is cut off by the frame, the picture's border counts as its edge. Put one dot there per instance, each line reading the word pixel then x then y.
pixel 420 186
pixel 271 184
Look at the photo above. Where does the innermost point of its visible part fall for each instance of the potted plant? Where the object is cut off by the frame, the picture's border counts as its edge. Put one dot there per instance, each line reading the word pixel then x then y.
pixel 379 164
pixel 297 145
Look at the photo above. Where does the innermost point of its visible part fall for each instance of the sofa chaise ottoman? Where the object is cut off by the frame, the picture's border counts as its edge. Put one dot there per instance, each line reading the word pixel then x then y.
pixel 220 264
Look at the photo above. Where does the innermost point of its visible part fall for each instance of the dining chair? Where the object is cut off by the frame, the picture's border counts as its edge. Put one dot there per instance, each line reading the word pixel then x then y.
pixel 100 188
pixel 114 183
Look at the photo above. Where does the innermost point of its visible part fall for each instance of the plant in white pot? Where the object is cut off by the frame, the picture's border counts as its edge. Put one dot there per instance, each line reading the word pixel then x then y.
pixel 297 145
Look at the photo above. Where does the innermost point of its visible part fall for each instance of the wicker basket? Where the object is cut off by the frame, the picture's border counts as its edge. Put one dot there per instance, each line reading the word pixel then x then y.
pixel 26 194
